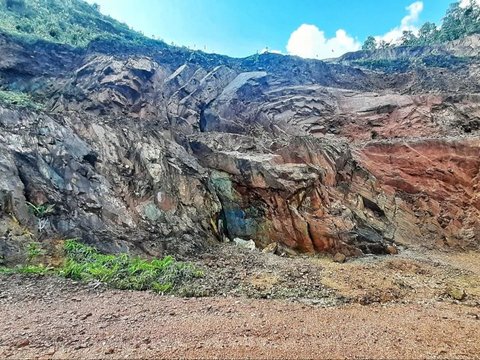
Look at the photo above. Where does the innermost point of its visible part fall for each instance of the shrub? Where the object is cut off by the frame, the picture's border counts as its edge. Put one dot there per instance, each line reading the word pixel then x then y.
pixel 444 61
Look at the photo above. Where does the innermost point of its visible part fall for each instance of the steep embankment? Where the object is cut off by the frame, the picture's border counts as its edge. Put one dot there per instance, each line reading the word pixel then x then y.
pixel 162 150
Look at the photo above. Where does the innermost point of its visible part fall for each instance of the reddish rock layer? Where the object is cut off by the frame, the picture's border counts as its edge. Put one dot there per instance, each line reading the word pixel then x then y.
pixel 438 181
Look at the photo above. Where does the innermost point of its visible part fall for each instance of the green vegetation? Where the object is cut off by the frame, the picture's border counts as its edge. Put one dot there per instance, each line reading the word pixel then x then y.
pixel 34 250
pixel 18 99
pixel 121 271
pixel 444 61
pixel 32 267
pixel 370 44
pixel 403 64
pixel 72 22
pixel 27 269
pixel 457 23
pixel 41 211
pixel 125 272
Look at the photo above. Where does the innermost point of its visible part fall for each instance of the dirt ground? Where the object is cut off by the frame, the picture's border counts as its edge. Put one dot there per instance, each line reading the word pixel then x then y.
pixel 412 275
pixel 417 304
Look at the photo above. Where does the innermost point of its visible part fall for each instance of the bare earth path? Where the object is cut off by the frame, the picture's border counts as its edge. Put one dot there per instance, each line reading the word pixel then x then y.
pixel 52 317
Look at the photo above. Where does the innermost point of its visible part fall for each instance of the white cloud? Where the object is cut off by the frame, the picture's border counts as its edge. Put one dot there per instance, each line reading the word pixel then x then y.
pixel 270 51
pixel 465 3
pixel 308 41
pixel 408 23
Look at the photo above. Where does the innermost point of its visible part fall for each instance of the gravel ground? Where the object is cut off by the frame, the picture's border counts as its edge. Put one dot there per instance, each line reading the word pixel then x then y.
pixel 411 276
pixel 257 306
pixel 55 318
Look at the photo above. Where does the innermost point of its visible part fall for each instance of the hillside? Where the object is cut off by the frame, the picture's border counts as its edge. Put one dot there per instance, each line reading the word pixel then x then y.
pixel 69 22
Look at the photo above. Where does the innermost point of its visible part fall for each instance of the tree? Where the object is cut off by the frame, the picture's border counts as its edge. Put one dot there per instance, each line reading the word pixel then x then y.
pixel 451 26
pixel 471 18
pixel 370 44
pixel 460 21
pixel 428 33
pixel 383 45
pixel 408 38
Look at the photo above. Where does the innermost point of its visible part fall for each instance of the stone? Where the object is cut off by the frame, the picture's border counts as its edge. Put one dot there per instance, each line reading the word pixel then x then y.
pixel 23 343
pixel 456 293
pixel 270 249
pixel 339 258
pixel 250 244
pixel 392 250
pixel 85 316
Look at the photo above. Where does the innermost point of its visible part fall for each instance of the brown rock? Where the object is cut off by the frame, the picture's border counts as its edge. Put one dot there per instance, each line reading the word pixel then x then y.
pixel 22 343
pixel 271 248
pixel 339 258
pixel 456 293
pixel 392 250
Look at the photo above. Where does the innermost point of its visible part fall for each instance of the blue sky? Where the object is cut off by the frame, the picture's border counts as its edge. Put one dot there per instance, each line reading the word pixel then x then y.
pixel 308 28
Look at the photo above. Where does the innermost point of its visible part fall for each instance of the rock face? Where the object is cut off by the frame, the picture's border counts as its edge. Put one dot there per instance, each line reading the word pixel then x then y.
pixel 437 182
pixel 170 151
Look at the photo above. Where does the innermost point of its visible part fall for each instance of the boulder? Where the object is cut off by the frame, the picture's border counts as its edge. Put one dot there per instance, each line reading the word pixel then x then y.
pixel 247 244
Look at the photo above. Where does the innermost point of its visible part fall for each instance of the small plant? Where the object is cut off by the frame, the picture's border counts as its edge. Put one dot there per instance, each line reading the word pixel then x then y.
pixel 34 250
pixel 41 211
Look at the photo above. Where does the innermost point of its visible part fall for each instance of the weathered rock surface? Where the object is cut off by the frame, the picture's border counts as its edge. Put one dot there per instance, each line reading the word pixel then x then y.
pixel 169 151
pixel 436 182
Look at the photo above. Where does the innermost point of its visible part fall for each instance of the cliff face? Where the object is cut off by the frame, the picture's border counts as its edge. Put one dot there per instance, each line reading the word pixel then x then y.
pixel 168 151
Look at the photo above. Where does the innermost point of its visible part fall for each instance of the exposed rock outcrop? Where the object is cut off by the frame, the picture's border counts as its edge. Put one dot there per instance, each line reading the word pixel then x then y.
pixel 170 151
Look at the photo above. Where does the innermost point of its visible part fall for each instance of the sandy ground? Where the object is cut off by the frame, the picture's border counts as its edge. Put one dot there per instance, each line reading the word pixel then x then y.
pixel 374 307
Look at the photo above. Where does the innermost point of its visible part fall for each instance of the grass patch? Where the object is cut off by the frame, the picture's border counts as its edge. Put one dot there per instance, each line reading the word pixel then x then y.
pixel 6 271
pixel 125 272
pixel 121 271
pixel 34 250
pixel 28 270
pixel 19 99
